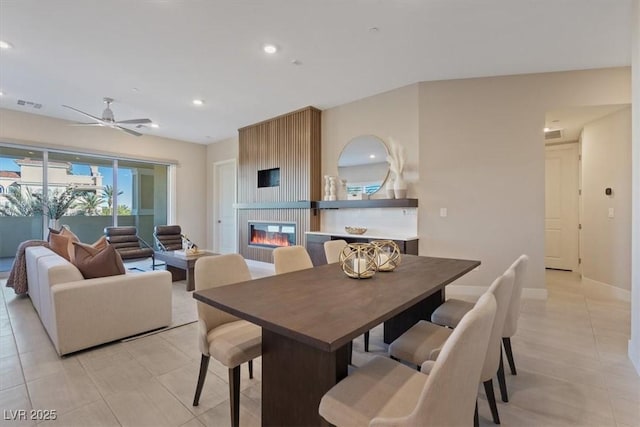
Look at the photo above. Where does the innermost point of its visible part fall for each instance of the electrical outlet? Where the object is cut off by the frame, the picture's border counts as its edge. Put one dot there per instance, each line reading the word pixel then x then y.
pixel 443 212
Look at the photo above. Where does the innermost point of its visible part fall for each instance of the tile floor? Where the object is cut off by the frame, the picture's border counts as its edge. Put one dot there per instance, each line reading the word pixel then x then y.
pixel 570 352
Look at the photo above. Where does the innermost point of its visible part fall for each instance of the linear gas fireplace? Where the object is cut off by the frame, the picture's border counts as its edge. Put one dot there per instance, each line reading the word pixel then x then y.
pixel 272 234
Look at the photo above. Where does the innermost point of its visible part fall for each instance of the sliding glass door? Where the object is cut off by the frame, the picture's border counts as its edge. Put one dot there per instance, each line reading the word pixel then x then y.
pixel 40 188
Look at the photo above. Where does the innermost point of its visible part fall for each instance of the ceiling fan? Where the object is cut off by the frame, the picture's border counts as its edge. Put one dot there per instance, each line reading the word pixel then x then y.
pixel 108 120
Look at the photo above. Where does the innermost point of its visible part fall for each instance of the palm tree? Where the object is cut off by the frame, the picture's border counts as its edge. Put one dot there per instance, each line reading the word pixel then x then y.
pixel 89 203
pixel 19 203
pixel 107 194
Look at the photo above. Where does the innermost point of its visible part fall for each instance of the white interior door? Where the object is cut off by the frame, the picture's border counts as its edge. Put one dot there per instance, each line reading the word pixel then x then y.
pixel 225 231
pixel 561 206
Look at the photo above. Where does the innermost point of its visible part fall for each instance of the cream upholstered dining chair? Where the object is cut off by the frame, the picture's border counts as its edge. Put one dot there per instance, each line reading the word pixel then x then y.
pixel 224 337
pixel 450 313
pixel 291 258
pixel 386 393
pixel 423 341
pixel 332 250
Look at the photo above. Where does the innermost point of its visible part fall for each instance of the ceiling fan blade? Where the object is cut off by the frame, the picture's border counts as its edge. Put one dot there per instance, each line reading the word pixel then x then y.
pixel 83 113
pixel 134 122
pixel 129 131
pixel 86 124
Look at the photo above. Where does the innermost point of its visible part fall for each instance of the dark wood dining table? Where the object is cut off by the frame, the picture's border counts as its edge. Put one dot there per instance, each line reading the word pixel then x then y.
pixel 309 318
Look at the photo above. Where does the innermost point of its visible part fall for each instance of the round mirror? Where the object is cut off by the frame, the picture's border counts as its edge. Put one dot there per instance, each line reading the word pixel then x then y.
pixel 363 165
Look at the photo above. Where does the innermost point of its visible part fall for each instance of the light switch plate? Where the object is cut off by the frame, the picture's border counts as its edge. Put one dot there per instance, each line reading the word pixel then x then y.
pixel 611 213
pixel 443 212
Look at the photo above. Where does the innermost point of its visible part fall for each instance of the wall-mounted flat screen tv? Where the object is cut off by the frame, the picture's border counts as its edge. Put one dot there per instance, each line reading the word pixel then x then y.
pixel 269 178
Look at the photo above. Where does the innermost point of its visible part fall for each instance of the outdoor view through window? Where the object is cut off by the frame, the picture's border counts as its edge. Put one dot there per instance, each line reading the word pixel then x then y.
pixel 86 193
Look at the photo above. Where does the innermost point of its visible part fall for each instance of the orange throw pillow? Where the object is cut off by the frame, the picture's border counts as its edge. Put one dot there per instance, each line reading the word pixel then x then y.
pixel 93 262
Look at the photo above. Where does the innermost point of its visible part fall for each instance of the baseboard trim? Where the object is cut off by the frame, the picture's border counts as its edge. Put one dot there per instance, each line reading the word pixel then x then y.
pixel 476 291
pixel 606 290
pixel 634 355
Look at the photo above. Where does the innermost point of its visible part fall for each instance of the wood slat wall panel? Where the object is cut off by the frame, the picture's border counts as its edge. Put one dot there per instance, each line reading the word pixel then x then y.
pixel 292 143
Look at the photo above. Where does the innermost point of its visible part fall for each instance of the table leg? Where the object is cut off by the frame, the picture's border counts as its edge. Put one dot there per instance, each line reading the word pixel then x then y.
pixel 399 324
pixel 176 273
pixel 295 376
pixel 191 283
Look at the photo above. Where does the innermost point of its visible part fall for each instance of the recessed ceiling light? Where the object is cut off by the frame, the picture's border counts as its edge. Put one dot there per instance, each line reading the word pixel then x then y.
pixel 154 125
pixel 270 48
pixel 374 29
pixel 372 156
pixel 547 129
pixel 198 102
pixel 5 45
pixel 135 89
pixel 1 93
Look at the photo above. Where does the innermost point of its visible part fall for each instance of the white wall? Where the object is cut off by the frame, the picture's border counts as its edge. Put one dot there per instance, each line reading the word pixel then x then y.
pixel 43 131
pixel 634 343
pixel 391 114
pixel 606 163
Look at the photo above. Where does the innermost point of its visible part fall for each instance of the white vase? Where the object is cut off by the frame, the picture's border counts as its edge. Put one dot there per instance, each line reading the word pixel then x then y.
pixel 332 188
pixel 326 188
pixel 54 223
pixel 400 187
pixel 389 188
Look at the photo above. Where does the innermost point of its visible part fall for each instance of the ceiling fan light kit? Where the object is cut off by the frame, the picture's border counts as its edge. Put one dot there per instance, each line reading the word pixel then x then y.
pixel 108 119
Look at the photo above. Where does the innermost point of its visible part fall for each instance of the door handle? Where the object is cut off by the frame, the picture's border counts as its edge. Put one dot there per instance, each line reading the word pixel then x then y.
pixel 219 221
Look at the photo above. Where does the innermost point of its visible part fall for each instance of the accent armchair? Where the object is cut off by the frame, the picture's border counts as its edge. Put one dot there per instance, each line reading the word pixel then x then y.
pixel 129 245
pixel 168 237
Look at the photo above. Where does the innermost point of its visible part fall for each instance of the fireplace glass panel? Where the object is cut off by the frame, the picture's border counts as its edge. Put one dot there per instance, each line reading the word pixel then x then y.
pixel 272 235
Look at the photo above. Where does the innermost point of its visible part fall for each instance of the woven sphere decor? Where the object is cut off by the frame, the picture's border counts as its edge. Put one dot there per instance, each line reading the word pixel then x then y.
pixel 359 260
pixel 388 254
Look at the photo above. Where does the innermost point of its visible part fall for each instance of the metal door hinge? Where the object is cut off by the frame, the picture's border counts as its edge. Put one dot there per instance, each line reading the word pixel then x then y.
pixel 579 226
pixel 579 261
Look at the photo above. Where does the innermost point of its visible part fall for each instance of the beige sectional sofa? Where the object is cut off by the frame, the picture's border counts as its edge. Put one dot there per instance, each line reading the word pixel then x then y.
pixel 79 313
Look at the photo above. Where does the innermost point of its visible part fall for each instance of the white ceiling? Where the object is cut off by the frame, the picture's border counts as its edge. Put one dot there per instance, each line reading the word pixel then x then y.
pixel 76 52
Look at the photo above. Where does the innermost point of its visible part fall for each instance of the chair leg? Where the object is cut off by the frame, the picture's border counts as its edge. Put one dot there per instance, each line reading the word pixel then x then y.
pixel 234 394
pixel 506 341
pixel 204 364
pixel 502 381
pixel 350 350
pixel 476 418
pixel 366 341
pixel 250 369
pixel 491 398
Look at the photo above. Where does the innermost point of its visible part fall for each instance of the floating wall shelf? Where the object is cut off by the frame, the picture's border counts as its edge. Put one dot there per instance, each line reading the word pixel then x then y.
pixel 371 203
pixel 336 204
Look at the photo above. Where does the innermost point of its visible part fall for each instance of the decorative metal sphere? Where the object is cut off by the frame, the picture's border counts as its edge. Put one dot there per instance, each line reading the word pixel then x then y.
pixel 388 257
pixel 359 260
